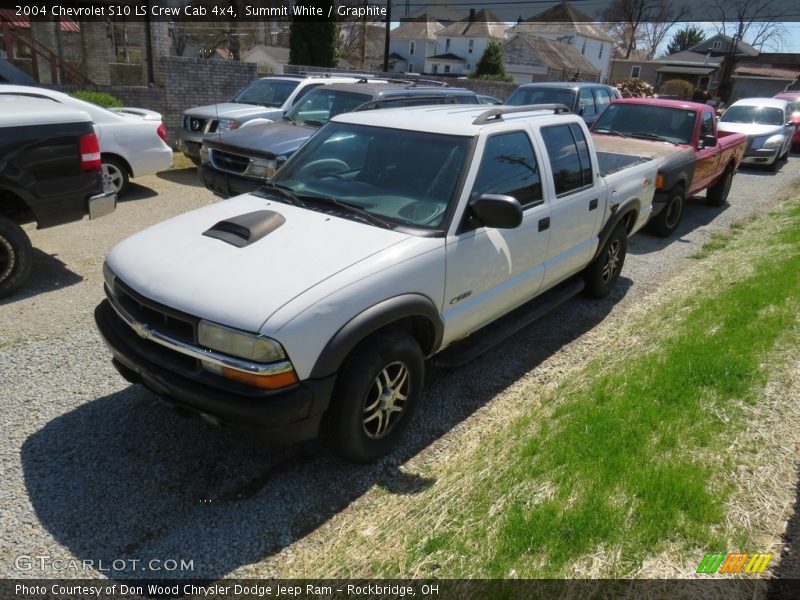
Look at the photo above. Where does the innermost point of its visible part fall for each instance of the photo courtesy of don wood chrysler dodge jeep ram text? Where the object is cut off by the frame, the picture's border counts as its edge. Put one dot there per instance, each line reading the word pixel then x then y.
pixel 309 306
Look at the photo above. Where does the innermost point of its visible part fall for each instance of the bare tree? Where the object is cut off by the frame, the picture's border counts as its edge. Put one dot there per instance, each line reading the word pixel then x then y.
pixel 752 21
pixel 641 24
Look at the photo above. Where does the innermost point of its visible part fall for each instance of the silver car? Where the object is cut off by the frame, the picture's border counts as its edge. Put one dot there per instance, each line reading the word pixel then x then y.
pixel 768 126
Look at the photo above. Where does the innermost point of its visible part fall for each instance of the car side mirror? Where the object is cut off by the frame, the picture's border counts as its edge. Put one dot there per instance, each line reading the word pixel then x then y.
pixel 708 141
pixel 497 211
pixel 581 111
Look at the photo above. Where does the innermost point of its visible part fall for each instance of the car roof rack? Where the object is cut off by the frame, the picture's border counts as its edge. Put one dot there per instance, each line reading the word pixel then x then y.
pixel 496 113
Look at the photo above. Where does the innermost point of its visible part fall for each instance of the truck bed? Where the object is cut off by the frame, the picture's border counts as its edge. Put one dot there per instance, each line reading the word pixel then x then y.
pixel 611 162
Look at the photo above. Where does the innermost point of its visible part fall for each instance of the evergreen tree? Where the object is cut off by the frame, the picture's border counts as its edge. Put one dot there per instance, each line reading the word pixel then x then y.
pixel 314 41
pixel 686 38
pixel 491 65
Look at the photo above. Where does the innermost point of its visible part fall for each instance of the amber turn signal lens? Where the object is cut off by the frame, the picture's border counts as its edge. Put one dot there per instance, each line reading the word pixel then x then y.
pixel 659 181
pixel 269 382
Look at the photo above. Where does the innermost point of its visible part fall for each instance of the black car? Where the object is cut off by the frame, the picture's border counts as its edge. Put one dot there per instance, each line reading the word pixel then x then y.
pixel 240 161
pixel 585 99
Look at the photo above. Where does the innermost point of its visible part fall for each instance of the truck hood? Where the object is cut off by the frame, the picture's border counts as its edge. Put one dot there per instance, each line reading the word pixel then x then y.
pixel 174 264
pixel 264 139
pixel 750 129
pixel 660 151
pixel 233 110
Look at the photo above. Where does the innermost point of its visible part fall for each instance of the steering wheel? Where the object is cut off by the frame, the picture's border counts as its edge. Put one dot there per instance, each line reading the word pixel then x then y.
pixel 325 167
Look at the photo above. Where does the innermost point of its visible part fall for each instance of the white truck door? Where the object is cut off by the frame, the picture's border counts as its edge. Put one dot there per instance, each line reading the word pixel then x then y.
pixel 490 271
pixel 577 203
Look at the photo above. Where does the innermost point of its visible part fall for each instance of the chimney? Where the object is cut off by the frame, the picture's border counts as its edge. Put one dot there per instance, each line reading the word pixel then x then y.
pixel 471 15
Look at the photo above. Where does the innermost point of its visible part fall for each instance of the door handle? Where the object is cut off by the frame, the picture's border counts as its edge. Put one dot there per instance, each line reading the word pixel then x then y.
pixel 544 223
pixel 592 204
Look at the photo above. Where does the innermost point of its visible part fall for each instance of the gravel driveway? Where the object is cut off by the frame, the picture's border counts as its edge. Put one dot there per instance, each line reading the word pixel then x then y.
pixel 95 469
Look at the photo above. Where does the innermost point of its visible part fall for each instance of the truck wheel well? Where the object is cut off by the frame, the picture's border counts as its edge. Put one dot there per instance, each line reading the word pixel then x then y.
pixel 120 159
pixel 420 328
pixel 629 220
pixel 14 207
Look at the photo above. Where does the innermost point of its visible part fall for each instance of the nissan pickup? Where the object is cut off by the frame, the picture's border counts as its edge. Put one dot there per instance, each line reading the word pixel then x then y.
pixel 682 136
pixel 392 236
pixel 265 98
pixel 237 162
pixel 50 173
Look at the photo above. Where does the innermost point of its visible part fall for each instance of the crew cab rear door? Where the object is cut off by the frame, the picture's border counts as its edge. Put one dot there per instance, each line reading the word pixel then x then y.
pixel 576 200
pixel 490 271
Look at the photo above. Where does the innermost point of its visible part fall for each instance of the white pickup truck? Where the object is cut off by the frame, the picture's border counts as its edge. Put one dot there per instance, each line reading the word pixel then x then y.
pixel 391 236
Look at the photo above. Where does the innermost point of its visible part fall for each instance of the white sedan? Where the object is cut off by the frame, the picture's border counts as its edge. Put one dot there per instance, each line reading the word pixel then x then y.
pixel 132 140
pixel 768 126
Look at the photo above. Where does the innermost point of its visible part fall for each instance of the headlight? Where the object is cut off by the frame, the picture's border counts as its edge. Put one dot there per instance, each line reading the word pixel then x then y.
pixel 239 343
pixel 262 168
pixel 228 125
pixel 203 154
pixel 773 142
pixel 108 276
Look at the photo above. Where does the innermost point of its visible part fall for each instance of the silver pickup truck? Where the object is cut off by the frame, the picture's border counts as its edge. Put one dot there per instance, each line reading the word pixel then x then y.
pixel 265 98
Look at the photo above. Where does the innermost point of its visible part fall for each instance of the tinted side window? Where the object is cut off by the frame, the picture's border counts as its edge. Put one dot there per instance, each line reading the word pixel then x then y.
pixel 509 167
pixel 586 101
pixel 565 161
pixel 304 91
pixel 583 153
pixel 601 98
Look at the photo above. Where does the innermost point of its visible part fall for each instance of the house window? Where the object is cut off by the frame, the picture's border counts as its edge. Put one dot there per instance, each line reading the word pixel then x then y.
pixel 716 45
pixel 635 72
pixel 471 42
pixel 583 48
pixel 447 45
pixel 435 68
pixel 447 68
pixel 411 48
pixel 410 67
pixel 469 67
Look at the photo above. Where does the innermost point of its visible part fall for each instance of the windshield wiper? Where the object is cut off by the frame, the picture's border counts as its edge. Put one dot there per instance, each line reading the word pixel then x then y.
pixel 611 132
pixel 352 209
pixel 285 192
pixel 291 119
pixel 652 136
pixel 314 123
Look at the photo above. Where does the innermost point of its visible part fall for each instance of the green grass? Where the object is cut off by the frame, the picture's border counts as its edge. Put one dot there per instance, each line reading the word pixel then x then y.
pixel 636 455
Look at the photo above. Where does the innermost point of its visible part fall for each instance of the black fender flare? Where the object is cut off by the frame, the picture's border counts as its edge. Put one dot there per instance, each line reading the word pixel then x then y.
pixel 371 320
pixel 616 217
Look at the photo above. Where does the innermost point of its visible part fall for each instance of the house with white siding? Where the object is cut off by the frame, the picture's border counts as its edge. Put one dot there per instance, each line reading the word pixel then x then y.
pixel 411 43
pixel 567 24
pixel 459 46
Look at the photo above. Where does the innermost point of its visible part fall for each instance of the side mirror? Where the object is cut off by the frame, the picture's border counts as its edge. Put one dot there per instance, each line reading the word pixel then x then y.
pixel 708 141
pixel 497 211
pixel 581 111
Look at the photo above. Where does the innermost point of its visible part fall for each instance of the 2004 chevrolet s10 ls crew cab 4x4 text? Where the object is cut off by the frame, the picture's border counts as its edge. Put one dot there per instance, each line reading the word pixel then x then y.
pixel 309 306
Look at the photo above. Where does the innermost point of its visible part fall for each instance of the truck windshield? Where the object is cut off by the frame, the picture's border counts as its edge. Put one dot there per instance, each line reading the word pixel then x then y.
pixel 403 177
pixel 322 104
pixel 648 121
pixel 761 115
pixel 534 95
pixel 267 92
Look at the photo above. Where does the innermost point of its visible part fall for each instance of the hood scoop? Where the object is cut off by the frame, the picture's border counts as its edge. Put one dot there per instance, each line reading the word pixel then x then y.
pixel 246 229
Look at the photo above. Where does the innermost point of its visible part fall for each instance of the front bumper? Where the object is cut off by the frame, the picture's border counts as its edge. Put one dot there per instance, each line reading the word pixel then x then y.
pixel 288 415
pixel 101 205
pixel 189 142
pixel 761 156
pixel 227 184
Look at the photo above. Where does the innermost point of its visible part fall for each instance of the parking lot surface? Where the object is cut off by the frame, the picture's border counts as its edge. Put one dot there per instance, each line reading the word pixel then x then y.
pixel 95 469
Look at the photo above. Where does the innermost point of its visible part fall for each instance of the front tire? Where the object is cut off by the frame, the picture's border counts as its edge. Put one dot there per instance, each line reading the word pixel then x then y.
pixel 16 257
pixel 115 175
pixel 604 270
pixel 665 222
pixel 718 193
pixel 379 386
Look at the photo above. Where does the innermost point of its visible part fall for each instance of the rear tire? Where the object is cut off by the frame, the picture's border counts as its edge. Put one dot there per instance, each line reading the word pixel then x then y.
pixel 665 222
pixel 378 388
pixel 604 270
pixel 16 257
pixel 718 193
pixel 115 175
